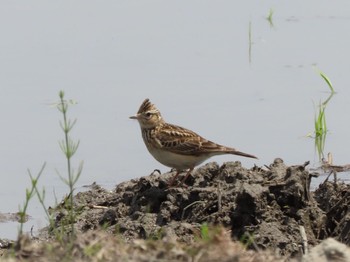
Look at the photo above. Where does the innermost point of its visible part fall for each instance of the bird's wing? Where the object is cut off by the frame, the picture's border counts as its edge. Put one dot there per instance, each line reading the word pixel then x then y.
pixel 183 141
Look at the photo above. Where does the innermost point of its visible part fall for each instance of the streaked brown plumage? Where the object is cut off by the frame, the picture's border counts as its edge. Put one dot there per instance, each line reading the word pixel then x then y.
pixel 175 146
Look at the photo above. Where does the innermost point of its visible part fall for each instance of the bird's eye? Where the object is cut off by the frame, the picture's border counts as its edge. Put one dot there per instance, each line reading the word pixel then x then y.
pixel 148 115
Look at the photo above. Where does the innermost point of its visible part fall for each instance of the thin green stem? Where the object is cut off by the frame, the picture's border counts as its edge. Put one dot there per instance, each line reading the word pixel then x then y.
pixel 41 196
pixel 69 147
pixel 29 194
pixel 250 42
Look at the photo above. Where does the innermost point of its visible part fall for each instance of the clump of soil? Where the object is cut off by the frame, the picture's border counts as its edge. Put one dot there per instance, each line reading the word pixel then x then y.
pixel 268 204
pixel 269 208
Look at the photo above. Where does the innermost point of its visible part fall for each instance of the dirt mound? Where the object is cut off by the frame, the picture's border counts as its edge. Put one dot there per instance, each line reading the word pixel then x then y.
pixel 265 208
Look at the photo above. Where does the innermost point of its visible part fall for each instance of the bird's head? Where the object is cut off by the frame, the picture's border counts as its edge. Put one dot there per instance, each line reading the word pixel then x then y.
pixel 148 115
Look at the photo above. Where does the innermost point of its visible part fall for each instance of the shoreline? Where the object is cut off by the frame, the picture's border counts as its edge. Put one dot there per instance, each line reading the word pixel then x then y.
pixel 262 209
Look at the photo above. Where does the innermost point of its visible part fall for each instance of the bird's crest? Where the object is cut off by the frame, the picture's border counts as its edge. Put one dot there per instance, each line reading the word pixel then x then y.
pixel 147 106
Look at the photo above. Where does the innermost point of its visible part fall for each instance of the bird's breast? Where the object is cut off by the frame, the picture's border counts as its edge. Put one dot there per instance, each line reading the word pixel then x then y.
pixel 177 161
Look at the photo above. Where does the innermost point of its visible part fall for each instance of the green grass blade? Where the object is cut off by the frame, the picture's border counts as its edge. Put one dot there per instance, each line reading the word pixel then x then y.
pixel 328 81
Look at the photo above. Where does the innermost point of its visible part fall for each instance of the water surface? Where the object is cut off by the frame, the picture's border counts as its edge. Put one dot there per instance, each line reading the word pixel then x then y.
pixel 191 58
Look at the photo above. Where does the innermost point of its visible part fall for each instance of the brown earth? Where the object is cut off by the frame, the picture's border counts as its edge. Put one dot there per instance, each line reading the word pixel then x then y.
pixel 220 214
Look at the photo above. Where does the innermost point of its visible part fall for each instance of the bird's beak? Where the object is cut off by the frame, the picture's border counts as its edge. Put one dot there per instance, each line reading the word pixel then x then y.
pixel 134 117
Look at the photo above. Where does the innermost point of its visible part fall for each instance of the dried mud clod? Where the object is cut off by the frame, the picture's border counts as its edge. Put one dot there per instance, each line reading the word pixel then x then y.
pixel 334 199
pixel 269 204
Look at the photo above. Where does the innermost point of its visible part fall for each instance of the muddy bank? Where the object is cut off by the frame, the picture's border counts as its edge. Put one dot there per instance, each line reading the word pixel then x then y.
pixel 265 208
pixel 270 204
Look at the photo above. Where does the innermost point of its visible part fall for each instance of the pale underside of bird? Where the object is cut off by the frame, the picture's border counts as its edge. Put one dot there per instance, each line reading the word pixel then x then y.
pixel 175 146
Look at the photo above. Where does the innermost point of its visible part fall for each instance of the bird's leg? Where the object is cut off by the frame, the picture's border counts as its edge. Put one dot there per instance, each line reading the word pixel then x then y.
pixel 174 178
pixel 187 175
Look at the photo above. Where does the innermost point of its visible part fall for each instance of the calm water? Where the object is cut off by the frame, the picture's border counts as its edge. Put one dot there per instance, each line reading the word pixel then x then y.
pixel 190 58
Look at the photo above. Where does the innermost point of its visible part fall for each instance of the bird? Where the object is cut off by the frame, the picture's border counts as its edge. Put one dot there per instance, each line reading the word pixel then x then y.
pixel 175 146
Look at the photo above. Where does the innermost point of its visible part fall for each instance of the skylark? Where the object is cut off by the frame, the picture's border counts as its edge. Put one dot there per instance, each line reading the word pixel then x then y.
pixel 175 146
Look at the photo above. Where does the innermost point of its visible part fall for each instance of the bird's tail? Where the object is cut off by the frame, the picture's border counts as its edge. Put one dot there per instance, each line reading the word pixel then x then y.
pixel 239 153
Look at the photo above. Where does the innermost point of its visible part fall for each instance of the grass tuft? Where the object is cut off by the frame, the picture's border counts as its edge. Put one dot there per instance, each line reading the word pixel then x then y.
pixel 69 148
pixel 269 17
pixel 320 123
